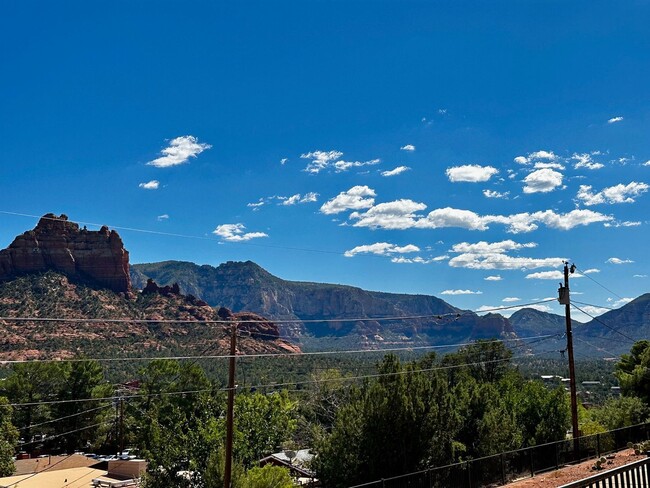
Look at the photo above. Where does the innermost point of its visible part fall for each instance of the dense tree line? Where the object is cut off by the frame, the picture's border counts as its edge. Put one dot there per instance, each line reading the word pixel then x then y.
pixel 407 414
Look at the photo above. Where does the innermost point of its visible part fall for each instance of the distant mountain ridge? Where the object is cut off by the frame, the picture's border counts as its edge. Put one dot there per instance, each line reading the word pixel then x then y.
pixel 245 285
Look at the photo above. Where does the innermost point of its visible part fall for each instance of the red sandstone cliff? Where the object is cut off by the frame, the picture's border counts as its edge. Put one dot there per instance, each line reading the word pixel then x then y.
pixel 57 244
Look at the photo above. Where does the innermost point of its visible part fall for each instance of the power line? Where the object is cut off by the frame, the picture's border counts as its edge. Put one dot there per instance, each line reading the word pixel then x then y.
pixel 592 305
pixel 280 321
pixel 66 433
pixel 274 385
pixel 273 355
pixel 599 284
pixel 603 323
pixel 63 418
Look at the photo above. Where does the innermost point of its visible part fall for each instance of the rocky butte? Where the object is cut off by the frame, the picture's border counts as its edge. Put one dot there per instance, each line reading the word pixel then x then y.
pixel 57 244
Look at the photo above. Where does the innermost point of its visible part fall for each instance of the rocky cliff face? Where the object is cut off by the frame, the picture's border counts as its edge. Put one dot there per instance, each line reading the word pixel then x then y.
pixel 57 244
pixel 323 311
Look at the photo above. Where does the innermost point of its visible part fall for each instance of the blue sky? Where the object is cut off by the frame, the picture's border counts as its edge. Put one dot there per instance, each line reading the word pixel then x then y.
pixel 403 146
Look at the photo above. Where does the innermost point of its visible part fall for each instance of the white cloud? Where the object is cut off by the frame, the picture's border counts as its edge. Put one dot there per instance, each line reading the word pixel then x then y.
pixel 614 194
pixel 495 194
pixel 613 120
pixel 356 198
pixel 298 198
pixel 179 151
pixel 621 302
pixel 472 173
pixel 585 161
pixel 591 271
pixel 557 166
pixel 619 261
pixel 510 310
pixel 257 204
pixel 341 166
pixel 235 233
pixel 511 299
pixel 536 156
pixel 549 275
pixel 542 181
pixel 320 160
pixel 283 161
pixel 415 260
pixel 626 223
pixel 460 292
pixel 483 247
pixel 396 171
pixel 493 278
pixel 150 185
pixel 162 217
pixel 399 214
pixel 408 147
pixel 381 249
pixel 647 163
pixel 501 261
pixel 639 276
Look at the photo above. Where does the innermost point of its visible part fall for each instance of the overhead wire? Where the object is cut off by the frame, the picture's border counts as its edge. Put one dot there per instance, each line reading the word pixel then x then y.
pixel 63 418
pixel 274 355
pixel 275 385
pixel 599 284
pixel 606 325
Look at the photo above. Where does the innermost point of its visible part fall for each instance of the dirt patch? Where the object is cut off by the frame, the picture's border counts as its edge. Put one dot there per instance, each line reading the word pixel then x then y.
pixel 575 472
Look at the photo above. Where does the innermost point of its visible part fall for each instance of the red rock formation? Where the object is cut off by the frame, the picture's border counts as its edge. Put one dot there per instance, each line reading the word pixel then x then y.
pixel 57 244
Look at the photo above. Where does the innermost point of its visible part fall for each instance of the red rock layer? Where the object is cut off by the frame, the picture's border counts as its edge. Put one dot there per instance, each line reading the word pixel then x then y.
pixel 57 244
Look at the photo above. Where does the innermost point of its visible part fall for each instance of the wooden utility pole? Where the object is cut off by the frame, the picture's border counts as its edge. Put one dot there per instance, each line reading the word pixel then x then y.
pixel 227 474
pixel 565 299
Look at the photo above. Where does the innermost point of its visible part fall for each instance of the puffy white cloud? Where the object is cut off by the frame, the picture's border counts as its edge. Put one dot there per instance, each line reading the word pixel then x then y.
pixel 557 166
pixel 341 165
pixel 408 147
pixel 619 261
pixel 536 156
pixel 591 271
pixel 549 275
pixel 452 217
pixel 381 249
pixel 493 278
pixel 283 161
pixel 495 194
pixel 396 171
pixel 235 233
pixel 501 261
pixel 613 194
pixel 585 161
pixel 356 198
pixel 320 160
pixel 179 151
pixel 162 217
pixel 472 173
pixel 399 214
pixel 483 247
pixel 647 163
pixel 298 198
pixel 621 302
pixel 415 260
pixel 150 185
pixel 460 292
pixel 511 299
pixel 542 181
pixel 613 120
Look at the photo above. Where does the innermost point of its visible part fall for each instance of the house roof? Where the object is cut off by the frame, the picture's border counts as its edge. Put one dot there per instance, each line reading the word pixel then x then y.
pixel 70 478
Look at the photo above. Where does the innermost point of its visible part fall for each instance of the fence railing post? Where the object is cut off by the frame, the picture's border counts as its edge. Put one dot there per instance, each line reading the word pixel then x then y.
pixel 503 470
pixel 598 444
pixel 469 474
pixel 530 461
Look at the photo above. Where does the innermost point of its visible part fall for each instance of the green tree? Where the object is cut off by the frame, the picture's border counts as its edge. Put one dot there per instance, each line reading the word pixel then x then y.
pixel 268 476
pixel 621 412
pixel 633 371
pixel 8 439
